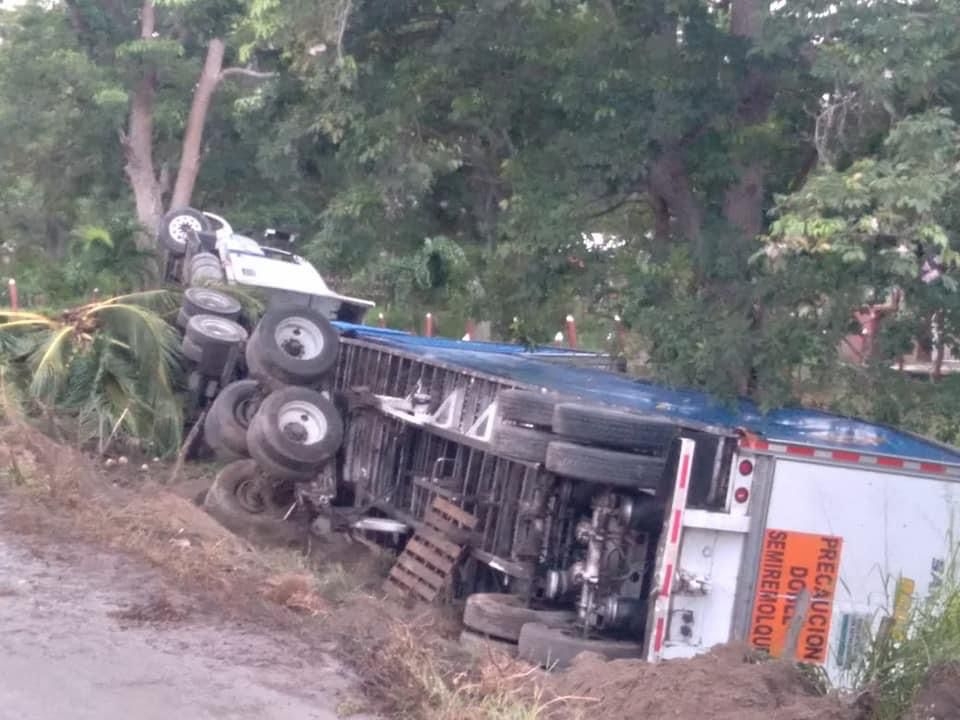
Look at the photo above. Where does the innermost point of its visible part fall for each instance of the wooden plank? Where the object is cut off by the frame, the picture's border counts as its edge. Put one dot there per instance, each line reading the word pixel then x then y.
pixel 454 513
pixel 438 541
pixel 415 583
pixel 428 555
pixel 441 525
pixel 429 576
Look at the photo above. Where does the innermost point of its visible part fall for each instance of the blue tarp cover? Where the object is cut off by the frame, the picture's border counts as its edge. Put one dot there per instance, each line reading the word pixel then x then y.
pixel 789 425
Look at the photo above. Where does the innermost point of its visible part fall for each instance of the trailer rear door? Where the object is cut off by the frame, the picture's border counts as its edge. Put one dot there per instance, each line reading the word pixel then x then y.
pixel 840 546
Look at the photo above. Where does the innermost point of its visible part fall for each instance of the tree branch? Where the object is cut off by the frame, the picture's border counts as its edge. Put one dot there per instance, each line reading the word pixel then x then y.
pixel 245 72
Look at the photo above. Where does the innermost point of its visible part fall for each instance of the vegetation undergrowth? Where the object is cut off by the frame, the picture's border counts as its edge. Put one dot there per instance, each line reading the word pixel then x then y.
pixel 903 656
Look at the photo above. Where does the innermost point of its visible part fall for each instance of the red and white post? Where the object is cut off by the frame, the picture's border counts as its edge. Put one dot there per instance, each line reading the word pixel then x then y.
pixel 14 294
pixel 571 331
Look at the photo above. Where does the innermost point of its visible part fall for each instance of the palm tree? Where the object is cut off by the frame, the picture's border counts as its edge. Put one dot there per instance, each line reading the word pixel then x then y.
pixel 111 365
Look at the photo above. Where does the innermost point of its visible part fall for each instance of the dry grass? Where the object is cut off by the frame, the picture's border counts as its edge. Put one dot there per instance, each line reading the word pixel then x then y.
pixel 404 657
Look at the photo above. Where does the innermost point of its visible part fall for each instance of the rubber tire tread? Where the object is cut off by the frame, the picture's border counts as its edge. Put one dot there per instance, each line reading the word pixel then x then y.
pixel 553 648
pixel 192 305
pixel 527 407
pixel 263 456
pixel 193 333
pixel 281 367
pixel 222 504
pixel 281 450
pixel 611 428
pixel 520 443
pixel 222 428
pixel 166 239
pixel 609 467
pixel 191 351
pixel 502 616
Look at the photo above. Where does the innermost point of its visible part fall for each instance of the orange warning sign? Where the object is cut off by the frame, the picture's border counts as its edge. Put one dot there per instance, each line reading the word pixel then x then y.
pixel 796 583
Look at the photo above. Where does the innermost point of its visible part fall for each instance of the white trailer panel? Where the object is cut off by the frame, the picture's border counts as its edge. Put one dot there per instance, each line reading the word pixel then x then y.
pixel 892 526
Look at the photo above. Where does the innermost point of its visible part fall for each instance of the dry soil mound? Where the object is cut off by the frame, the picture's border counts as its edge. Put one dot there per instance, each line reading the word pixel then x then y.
pixel 721 685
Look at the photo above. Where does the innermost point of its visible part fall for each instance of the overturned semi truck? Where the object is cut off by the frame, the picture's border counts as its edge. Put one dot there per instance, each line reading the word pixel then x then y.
pixel 574 508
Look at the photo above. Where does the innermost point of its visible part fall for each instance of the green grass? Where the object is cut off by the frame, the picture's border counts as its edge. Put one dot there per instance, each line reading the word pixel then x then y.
pixel 901 657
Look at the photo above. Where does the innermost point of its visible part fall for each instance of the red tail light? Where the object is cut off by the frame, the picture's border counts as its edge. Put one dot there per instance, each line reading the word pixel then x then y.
pixel 746 467
pixel 741 495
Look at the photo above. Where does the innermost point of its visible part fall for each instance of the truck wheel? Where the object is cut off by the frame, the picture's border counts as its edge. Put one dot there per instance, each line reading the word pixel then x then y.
pixel 479 645
pixel 227 420
pixel 204 268
pixel 191 351
pixel 520 443
pixel 204 330
pixel 501 615
pixel 613 428
pixel 556 647
pixel 604 466
pixel 526 407
pixel 293 346
pixel 204 301
pixel 175 228
pixel 296 429
pixel 243 501
pixel 270 467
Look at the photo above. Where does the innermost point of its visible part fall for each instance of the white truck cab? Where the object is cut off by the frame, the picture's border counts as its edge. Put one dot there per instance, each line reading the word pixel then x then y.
pixel 285 277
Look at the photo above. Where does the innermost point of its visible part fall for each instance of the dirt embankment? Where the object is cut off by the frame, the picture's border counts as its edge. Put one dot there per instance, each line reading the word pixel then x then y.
pixel 722 685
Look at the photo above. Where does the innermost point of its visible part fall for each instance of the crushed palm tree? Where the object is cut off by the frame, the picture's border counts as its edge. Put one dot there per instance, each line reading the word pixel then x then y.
pixel 109 366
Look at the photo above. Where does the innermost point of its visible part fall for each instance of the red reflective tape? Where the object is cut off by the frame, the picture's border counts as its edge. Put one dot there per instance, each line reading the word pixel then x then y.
pixel 675 528
pixel 684 471
pixel 667 581
pixel 845 456
pixel 932 467
pixel 799 450
pixel 890 462
pixel 658 636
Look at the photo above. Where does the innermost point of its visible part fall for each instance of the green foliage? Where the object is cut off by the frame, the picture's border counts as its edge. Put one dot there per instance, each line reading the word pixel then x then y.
pixel 456 157
pixel 901 658
pixel 112 365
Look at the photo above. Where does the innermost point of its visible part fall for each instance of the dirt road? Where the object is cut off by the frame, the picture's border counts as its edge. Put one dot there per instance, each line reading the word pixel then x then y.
pixel 89 636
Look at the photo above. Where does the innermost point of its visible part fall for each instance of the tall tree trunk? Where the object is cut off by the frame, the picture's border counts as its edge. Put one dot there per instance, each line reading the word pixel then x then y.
pixel 193 138
pixel 743 200
pixel 137 142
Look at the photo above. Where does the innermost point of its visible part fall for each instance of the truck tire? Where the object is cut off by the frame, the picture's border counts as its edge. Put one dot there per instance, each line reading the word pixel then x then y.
pixel 270 467
pixel 205 301
pixel 555 647
pixel 611 428
pixel 205 330
pixel 191 351
pixel 526 407
pixel 604 466
pixel 296 429
pixel 204 269
pixel 245 502
pixel 293 346
pixel 501 615
pixel 175 228
pixel 520 443
pixel 225 425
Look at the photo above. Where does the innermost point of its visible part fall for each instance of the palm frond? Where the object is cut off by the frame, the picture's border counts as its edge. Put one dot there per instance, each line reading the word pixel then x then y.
pixel 49 363
pixel 151 341
pixel 160 300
